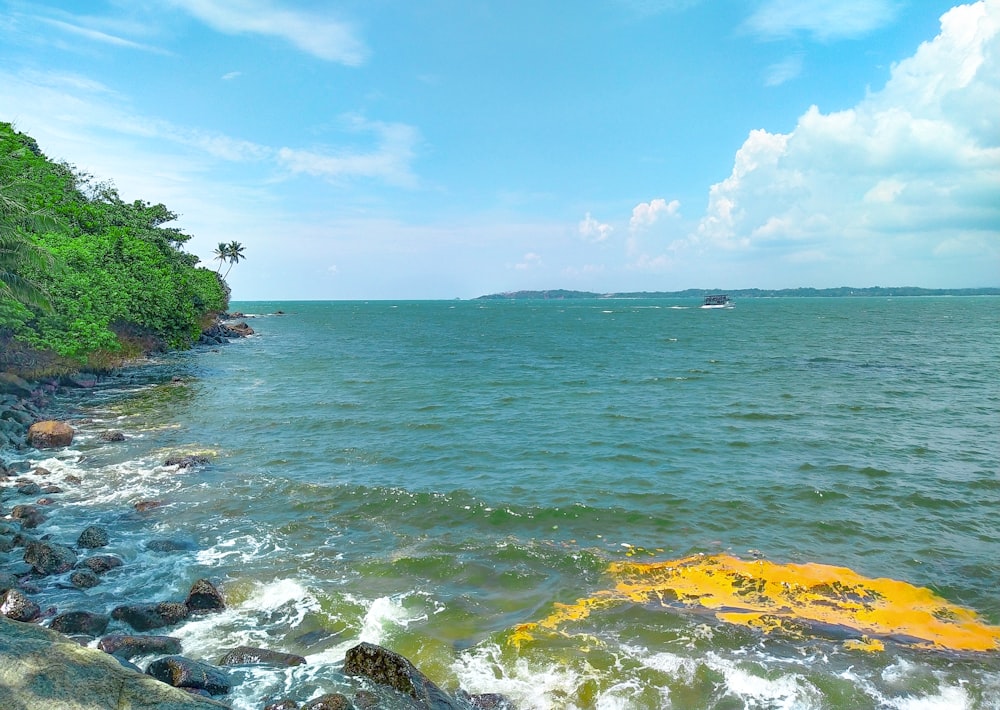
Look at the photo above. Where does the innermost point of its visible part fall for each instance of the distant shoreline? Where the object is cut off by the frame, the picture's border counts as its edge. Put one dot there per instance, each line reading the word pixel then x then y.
pixel 839 292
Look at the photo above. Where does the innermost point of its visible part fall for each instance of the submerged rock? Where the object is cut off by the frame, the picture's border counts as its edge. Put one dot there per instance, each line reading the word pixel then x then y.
pixel 182 672
pixel 111 436
pixel 330 701
pixel 143 617
pixel 181 461
pixel 84 579
pixel 247 655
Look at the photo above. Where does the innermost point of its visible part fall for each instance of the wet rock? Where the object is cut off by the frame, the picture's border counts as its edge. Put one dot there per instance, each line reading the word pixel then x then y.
pixel 491 701
pixel 387 667
pixel 111 436
pixel 181 461
pixel 93 537
pixel 6 543
pixel 16 606
pixel 80 622
pixel 29 489
pixel 250 655
pixel 205 596
pixel 84 579
pixel 12 384
pixel 283 704
pixel 99 564
pixel 330 701
pixel 51 489
pixel 43 670
pixel 169 545
pixel 128 646
pixel 366 700
pixel 48 558
pixel 28 515
pixel 44 501
pixel 7 581
pixel 73 479
pixel 182 672
pixel 144 505
pixel 143 617
pixel 50 434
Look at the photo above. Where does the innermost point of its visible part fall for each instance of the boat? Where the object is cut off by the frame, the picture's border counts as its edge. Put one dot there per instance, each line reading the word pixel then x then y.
pixel 717 300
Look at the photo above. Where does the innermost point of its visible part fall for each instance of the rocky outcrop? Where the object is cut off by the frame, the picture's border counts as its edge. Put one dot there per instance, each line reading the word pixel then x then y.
pixel 221 333
pixel 41 670
pixel 143 617
pixel 50 434
pixel 387 667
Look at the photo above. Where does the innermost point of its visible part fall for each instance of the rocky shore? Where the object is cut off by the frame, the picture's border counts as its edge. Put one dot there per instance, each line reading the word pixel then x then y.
pixel 124 657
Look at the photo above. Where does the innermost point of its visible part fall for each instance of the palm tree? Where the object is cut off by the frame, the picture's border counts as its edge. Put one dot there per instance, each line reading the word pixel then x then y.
pixel 234 252
pixel 221 255
pixel 18 253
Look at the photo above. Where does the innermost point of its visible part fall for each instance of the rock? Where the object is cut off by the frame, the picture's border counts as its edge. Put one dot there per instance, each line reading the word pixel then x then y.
pixel 6 543
pixel 205 596
pixel 41 669
pixel 389 668
pixel 51 489
pixel 80 622
pixel 50 434
pixel 14 605
pixel 44 501
pixel 181 461
pixel 250 655
pixel 48 558
pixel 182 672
pixel 143 617
pixel 84 579
pixel 28 515
pixel 12 384
pixel 99 564
pixel 144 505
pixel 83 380
pixel 283 704
pixel 169 545
pixel 128 646
pixel 29 489
pixel 111 436
pixel 7 581
pixel 93 537
pixel 330 701
pixel 491 701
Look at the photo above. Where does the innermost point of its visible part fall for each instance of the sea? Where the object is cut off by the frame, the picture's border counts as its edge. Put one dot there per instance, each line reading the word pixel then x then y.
pixel 608 503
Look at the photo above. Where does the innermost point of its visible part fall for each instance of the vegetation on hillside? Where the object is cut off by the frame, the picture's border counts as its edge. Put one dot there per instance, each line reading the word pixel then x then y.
pixel 87 279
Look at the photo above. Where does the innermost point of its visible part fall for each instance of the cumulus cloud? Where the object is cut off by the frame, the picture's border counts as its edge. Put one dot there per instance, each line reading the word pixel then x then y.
pixel 645 214
pixel 823 19
pixel 594 231
pixel 911 168
pixel 313 33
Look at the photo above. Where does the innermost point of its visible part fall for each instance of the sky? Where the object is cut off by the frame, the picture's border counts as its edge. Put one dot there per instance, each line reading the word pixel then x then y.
pixel 437 149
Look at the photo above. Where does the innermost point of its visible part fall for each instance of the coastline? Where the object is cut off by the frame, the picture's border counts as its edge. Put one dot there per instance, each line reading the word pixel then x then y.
pixel 47 653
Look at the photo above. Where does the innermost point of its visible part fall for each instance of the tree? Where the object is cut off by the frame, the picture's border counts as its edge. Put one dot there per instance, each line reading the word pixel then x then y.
pixel 17 253
pixel 234 255
pixel 221 255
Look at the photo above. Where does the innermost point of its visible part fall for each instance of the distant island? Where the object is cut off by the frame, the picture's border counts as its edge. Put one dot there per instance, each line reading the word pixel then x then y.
pixel 839 292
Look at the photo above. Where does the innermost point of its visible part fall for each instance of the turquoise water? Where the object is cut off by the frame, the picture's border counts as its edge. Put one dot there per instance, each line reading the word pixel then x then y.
pixel 432 475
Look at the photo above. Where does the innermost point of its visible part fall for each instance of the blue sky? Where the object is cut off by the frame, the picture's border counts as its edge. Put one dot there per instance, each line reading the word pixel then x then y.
pixel 451 148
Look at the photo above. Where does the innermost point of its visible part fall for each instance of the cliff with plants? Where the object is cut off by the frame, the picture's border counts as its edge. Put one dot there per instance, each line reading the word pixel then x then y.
pixel 88 280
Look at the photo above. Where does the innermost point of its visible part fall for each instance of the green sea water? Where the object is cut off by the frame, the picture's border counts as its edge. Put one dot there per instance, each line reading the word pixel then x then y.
pixel 439 476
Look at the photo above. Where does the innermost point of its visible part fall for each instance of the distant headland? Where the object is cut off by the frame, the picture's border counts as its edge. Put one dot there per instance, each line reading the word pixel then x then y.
pixel 839 292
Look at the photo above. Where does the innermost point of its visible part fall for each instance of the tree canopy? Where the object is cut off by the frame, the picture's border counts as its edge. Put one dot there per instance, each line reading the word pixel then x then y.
pixel 87 278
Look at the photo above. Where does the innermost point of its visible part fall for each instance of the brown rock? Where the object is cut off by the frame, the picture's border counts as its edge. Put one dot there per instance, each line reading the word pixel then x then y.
pixel 50 434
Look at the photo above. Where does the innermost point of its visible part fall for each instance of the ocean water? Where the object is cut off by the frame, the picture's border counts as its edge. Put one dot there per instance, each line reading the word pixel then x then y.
pixel 579 504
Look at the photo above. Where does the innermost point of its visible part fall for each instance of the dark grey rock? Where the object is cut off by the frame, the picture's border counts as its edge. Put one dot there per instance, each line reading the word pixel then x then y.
pixel 80 622
pixel 99 564
pixel 84 579
pixel 205 596
pixel 112 436
pixel 93 537
pixel 143 617
pixel 169 545
pixel 128 646
pixel 29 489
pixel 182 672
pixel 28 516
pixel 386 667
pixel 330 701
pixel 283 704
pixel 48 558
pixel 182 461
pixel 250 655
pixel 16 606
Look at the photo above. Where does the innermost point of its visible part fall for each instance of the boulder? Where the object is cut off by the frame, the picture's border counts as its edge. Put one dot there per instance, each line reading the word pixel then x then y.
pixel 48 558
pixel 93 537
pixel 143 506
pixel 386 667
pixel 29 489
pixel 50 434
pixel 28 515
pixel 128 646
pixel 41 669
pixel 14 605
pixel 99 564
pixel 182 461
pixel 330 701
pixel 250 655
pixel 182 672
pixel 204 596
pixel 143 617
pixel 12 384
pixel 111 436
pixel 80 622
pixel 282 704
pixel 84 579
pixel 169 545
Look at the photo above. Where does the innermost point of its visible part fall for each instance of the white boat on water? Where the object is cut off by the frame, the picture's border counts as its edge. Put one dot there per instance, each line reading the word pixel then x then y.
pixel 718 300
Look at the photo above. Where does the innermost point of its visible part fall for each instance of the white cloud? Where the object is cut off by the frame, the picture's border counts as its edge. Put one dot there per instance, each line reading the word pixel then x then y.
pixel 594 231
pixel 783 71
pixel 389 160
pixel 232 75
pixel 313 33
pixel 530 260
pixel 911 168
pixel 824 19
pixel 646 214
pixel 99 36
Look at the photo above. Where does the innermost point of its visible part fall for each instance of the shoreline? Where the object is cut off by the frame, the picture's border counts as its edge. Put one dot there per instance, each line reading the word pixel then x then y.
pixel 34 563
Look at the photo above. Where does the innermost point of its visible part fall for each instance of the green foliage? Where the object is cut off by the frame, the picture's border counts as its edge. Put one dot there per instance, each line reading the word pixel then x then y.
pixel 109 273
